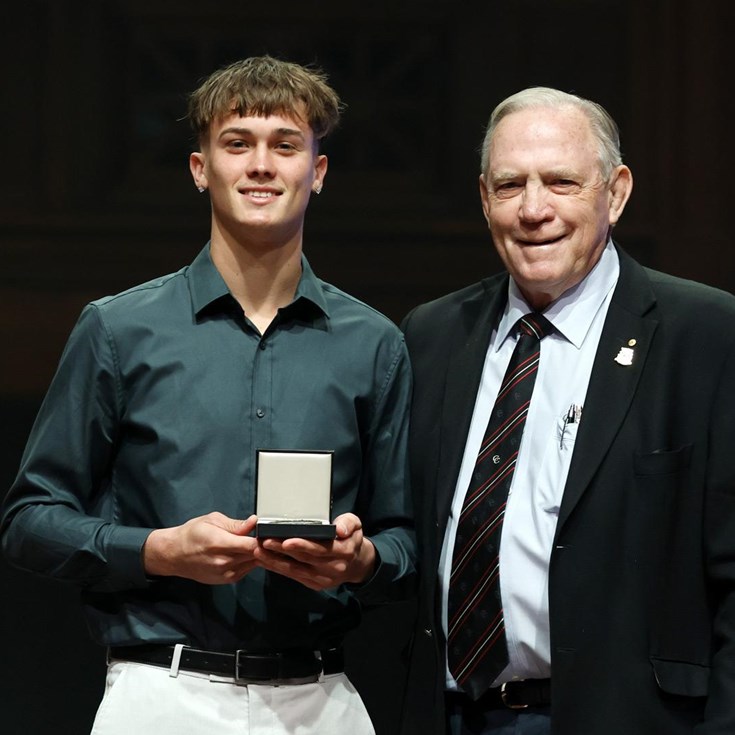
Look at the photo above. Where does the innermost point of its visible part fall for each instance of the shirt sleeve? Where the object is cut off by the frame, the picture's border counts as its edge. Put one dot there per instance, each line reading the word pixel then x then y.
pixel 384 504
pixel 59 517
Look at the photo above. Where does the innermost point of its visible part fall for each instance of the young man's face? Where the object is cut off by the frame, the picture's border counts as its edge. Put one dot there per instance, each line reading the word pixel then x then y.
pixel 260 172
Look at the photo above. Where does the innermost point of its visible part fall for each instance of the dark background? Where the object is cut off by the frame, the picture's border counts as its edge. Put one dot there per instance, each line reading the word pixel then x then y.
pixel 95 196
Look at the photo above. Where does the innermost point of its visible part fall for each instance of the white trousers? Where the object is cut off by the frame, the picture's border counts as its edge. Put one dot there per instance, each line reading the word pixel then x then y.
pixel 145 700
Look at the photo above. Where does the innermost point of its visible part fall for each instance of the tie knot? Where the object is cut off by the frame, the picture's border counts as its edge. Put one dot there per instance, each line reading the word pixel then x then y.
pixel 535 325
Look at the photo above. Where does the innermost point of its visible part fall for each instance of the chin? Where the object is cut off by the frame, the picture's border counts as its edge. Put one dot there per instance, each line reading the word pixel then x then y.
pixel 540 274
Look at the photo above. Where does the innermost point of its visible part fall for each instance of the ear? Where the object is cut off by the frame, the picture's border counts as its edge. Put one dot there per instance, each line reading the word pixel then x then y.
pixel 196 166
pixel 484 198
pixel 320 171
pixel 621 185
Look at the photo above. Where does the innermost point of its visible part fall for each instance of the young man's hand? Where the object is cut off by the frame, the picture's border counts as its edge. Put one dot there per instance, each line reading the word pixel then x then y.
pixel 212 549
pixel 319 565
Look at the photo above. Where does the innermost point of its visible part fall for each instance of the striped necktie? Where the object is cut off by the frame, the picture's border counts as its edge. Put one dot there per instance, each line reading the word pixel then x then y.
pixel 476 645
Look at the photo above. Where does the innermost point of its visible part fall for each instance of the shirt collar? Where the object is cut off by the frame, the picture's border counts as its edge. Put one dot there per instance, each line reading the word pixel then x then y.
pixel 207 285
pixel 574 311
pixel 310 288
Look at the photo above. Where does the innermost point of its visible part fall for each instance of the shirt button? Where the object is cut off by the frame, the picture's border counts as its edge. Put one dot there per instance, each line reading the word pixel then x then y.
pixel 260 413
pixel 262 345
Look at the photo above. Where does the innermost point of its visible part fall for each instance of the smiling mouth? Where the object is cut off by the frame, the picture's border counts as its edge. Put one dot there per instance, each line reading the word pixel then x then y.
pixel 535 243
pixel 260 194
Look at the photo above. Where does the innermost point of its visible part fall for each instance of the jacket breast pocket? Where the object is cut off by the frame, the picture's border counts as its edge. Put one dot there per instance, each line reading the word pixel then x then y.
pixel 662 462
pixel 681 678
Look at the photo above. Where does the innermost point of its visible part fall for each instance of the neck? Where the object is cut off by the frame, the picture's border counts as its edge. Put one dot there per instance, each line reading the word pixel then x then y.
pixel 261 276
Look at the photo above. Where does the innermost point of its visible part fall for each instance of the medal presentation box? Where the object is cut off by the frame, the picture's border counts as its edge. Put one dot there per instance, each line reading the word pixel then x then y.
pixel 294 494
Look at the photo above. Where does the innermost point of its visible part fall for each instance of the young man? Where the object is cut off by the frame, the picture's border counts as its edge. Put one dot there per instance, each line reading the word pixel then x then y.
pixel 138 481
pixel 577 519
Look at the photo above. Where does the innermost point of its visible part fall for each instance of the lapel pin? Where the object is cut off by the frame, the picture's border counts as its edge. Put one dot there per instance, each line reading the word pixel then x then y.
pixel 626 354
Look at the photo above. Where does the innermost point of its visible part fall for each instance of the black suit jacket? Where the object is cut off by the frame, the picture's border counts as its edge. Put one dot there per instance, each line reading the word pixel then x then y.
pixel 642 571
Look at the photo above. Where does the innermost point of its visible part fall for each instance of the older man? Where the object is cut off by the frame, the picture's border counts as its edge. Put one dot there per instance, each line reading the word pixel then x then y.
pixel 572 455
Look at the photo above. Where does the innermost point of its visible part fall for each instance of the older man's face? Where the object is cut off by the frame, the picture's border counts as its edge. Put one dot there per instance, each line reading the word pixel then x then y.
pixel 546 204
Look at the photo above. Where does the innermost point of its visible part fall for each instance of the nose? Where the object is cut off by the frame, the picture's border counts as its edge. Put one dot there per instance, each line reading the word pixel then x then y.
pixel 535 205
pixel 260 163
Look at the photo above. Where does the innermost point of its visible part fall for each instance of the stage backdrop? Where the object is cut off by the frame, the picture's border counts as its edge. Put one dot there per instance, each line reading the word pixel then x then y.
pixel 96 196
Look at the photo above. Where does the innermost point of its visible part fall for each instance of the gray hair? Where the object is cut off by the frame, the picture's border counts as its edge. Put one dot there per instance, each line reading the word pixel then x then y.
pixel 602 125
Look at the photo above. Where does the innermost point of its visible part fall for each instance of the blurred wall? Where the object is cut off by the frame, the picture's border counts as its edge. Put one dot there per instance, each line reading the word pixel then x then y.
pixel 96 196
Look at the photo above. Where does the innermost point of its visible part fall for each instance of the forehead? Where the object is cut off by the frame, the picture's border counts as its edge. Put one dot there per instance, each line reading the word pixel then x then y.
pixel 275 123
pixel 540 137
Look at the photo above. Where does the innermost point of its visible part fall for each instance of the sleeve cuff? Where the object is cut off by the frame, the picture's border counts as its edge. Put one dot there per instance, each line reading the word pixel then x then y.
pixel 390 581
pixel 125 557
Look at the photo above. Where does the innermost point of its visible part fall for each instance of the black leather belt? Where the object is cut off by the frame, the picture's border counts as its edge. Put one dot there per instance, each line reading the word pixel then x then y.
pixel 512 695
pixel 299 664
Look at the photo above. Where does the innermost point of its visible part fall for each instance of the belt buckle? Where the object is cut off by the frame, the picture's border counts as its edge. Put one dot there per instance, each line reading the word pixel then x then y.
pixel 245 680
pixel 504 697
pixel 236 672
pixel 268 680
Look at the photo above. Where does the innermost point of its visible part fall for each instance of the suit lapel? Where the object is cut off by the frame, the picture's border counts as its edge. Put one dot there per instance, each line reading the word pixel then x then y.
pixel 464 372
pixel 613 382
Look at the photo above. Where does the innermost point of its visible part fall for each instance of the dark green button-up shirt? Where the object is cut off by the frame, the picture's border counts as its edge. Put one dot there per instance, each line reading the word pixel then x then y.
pixel 162 396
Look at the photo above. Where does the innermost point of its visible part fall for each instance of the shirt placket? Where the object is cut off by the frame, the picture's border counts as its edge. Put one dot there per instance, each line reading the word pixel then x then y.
pixel 261 404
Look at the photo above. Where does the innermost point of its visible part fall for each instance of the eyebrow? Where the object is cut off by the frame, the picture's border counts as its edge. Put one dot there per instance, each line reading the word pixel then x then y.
pixel 562 172
pixel 499 176
pixel 288 132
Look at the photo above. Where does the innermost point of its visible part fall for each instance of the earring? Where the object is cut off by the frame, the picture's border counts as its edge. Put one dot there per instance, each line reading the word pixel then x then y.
pixel 318 189
pixel 201 189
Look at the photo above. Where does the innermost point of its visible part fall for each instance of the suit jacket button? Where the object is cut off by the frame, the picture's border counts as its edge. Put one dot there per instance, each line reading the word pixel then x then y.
pixel 428 632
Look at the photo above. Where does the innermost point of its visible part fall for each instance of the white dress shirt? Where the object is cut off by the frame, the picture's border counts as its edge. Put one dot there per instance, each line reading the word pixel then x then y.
pixel 543 459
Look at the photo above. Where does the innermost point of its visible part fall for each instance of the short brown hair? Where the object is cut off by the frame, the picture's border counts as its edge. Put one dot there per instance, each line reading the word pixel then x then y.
pixel 263 85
